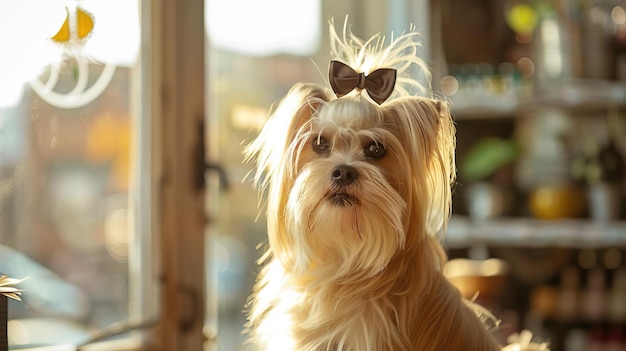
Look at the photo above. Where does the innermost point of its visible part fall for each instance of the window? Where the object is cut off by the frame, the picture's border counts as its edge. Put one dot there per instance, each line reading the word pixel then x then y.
pixel 68 165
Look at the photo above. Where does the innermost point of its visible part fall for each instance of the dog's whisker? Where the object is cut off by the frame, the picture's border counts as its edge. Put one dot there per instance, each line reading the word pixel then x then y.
pixel 312 213
pixel 355 223
pixel 311 227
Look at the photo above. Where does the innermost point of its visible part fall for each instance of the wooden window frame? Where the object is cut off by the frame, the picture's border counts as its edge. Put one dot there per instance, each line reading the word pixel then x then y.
pixel 173 96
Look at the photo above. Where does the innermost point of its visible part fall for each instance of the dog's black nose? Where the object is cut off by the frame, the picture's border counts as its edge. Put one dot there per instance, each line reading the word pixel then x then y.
pixel 344 175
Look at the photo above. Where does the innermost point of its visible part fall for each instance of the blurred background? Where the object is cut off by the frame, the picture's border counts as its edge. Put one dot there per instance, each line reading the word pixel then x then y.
pixel 539 97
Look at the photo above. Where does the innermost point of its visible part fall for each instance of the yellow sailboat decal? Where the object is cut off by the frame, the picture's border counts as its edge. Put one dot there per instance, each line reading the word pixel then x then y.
pixel 84 23
pixel 63 35
pixel 83 26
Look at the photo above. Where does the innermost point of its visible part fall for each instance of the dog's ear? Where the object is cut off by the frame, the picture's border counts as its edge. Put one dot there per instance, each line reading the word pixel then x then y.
pixel 294 111
pixel 300 104
pixel 271 152
pixel 442 168
pixel 427 129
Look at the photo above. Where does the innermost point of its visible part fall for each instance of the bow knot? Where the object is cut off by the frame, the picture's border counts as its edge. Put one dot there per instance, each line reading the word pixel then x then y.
pixel 378 84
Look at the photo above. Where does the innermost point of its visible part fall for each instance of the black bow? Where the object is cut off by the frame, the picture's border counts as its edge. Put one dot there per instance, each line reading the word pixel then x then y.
pixel 378 84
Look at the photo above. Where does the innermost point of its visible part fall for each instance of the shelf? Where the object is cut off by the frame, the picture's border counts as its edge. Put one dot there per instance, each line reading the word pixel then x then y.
pixel 527 232
pixel 577 97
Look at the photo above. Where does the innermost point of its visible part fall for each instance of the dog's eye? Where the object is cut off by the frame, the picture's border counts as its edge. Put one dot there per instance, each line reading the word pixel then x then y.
pixel 374 150
pixel 320 145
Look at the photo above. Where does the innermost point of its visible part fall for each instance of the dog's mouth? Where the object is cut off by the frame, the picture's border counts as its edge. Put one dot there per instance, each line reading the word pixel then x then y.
pixel 342 199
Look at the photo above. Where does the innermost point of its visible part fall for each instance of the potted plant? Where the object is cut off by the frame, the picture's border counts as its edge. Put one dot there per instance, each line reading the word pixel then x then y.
pixel 481 168
pixel 7 290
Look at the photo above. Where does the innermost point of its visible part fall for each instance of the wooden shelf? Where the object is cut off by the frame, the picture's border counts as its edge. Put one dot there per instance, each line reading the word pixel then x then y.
pixel 578 97
pixel 528 232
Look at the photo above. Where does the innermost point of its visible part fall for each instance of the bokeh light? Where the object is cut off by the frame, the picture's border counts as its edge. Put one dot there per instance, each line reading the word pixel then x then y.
pixel 449 85
pixel 526 66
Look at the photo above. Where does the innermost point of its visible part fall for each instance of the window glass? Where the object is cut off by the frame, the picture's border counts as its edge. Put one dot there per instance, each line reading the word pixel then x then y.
pixel 67 132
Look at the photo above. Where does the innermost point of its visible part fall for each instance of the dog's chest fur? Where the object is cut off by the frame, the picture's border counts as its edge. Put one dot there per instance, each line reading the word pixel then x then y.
pixel 337 316
pixel 291 314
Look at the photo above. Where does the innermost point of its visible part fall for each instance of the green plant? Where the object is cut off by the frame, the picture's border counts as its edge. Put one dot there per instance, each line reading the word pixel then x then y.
pixel 487 157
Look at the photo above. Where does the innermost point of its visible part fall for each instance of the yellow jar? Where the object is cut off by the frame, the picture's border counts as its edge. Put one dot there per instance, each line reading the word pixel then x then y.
pixel 558 201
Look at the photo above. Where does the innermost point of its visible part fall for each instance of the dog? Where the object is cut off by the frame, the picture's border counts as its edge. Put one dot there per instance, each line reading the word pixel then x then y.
pixel 356 181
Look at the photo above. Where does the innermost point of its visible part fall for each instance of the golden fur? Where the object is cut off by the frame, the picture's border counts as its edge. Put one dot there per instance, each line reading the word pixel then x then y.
pixel 362 273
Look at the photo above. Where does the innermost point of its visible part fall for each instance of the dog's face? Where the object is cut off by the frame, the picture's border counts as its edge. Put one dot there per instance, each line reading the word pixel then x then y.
pixel 351 182
pixel 354 184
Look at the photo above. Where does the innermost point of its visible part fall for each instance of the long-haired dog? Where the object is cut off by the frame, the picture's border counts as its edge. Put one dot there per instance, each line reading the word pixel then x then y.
pixel 357 183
